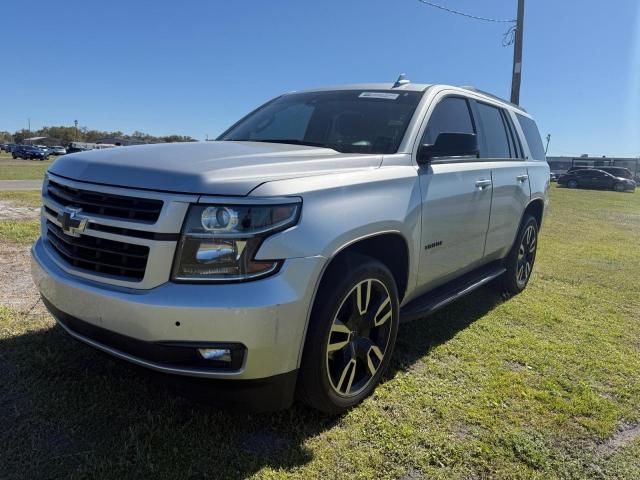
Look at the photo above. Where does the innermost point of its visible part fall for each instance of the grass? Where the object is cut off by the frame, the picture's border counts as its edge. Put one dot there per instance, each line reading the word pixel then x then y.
pixel 19 231
pixel 18 169
pixel 22 198
pixel 537 386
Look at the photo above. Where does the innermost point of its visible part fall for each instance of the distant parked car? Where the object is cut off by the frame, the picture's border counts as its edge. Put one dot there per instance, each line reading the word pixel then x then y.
pixel 58 150
pixel 596 179
pixel 553 177
pixel 575 169
pixel 618 172
pixel 28 152
pixel 46 149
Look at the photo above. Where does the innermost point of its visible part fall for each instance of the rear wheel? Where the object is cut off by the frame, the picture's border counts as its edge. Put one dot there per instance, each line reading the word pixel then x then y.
pixel 519 262
pixel 572 184
pixel 351 335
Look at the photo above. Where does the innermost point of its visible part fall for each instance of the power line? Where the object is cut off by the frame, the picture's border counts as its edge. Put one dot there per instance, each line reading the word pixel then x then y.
pixel 509 37
pixel 474 17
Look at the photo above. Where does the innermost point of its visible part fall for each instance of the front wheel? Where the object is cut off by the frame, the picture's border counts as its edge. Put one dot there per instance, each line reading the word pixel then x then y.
pixel 351 335
pixel 519 262
pixel 619 187
pixel 572 184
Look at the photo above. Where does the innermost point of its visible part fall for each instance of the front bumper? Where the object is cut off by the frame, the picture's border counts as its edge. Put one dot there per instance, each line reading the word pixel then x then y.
pixel 268 317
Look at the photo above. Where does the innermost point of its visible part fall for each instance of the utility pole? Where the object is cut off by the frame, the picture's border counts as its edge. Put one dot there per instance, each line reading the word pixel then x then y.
pixel 517 55
pixel 546 149
pixel 75 122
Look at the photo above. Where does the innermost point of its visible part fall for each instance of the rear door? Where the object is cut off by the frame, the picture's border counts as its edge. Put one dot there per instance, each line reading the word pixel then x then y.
pixel 590 179
pixel 456 195
pixel 602 179
pixel 501 149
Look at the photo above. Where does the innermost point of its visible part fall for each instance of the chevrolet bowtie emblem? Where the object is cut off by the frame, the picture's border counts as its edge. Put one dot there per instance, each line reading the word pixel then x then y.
pixel 71 222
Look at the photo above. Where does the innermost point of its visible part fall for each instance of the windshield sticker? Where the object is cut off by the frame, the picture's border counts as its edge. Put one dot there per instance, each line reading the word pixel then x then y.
pixel 384 95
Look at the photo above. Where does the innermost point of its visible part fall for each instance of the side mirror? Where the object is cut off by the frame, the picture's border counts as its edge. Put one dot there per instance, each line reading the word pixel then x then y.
pixel 450 145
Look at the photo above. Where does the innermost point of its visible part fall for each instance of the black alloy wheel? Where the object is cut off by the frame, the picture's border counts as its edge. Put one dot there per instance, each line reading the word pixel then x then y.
pixel 351 334
pixel 519 263
pixel 526 255
pixel 359 337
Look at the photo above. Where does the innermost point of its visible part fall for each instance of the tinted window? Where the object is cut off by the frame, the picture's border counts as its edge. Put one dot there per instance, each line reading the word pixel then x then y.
pixel 451 115
pixel 532 136
pixel 346 120
pixel 290 122
pixel 514 141
pixel 495 132
pixel 582 172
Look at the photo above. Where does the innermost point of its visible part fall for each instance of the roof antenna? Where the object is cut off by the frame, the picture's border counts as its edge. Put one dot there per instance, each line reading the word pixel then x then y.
pixel 402 80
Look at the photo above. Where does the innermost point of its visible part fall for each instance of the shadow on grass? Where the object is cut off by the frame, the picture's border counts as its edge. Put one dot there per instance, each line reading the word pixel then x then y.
pixel 69 410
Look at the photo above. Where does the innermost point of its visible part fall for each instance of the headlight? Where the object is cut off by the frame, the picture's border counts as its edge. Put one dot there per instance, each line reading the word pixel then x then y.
pixel 219 242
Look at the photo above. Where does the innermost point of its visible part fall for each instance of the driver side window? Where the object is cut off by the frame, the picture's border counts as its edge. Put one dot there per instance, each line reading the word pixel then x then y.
pixel 451 115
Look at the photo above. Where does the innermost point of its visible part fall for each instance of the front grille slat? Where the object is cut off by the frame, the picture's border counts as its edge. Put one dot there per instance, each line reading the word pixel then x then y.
pixel 81 202
pixel 71 242
pixel 106 204
pixel 99 255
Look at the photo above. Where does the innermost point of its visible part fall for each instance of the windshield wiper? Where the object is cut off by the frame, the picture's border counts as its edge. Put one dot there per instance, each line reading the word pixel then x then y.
pixel 291 141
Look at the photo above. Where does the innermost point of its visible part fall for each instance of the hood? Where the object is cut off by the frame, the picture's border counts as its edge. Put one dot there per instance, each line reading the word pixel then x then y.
pixel 212 168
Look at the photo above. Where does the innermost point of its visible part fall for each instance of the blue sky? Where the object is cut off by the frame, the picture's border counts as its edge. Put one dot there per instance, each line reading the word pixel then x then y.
pixel 193 67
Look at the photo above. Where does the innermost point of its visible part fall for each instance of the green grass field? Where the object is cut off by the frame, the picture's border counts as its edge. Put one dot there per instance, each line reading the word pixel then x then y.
pixel 543 385
pixel 19 231
pixel 19 169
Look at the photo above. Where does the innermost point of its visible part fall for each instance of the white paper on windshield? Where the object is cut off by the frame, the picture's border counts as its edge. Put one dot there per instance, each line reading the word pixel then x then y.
pixel 384 95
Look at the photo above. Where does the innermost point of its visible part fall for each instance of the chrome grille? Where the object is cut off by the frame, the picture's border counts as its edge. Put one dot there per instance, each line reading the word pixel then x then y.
pixel 99 255
pixel 106 204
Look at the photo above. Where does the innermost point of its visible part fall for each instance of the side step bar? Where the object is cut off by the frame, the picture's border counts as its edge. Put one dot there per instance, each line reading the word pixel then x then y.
pixel 450 292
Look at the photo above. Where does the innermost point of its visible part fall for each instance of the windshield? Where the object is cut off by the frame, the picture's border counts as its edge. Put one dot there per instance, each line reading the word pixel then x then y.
pixel 354 121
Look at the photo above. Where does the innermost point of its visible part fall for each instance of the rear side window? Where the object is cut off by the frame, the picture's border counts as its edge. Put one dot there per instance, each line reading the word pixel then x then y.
pixel 495 132
pixel 451 115
pixel 532 135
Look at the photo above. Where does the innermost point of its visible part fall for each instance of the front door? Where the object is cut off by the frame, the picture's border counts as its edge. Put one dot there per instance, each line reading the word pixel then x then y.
pixel 456 194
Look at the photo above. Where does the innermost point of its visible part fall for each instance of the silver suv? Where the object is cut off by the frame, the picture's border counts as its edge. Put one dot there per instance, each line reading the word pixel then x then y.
pixel 281 258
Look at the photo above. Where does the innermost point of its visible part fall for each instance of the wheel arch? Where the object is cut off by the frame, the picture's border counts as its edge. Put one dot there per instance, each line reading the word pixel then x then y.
pixel 389 247
pixel 368 245
pixel 535 208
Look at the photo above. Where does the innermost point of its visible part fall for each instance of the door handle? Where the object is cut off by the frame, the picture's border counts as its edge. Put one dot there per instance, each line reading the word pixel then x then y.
pixel 482 184
pixel 522 178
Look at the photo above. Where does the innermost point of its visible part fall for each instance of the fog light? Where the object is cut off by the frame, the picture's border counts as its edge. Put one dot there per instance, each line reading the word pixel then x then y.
pixel 217 354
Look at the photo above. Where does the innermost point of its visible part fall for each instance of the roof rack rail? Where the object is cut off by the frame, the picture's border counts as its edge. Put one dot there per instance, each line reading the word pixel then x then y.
pixel 477 90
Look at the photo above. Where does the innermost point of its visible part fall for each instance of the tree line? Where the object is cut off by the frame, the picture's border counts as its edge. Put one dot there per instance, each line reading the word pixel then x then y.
pixel 66 135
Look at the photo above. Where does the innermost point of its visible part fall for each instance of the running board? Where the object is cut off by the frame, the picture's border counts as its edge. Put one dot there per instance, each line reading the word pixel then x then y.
pixel 450 292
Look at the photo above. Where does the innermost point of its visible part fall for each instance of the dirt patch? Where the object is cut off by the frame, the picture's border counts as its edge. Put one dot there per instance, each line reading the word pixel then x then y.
pixel 17 290
pixel 626 434
pixel 9 211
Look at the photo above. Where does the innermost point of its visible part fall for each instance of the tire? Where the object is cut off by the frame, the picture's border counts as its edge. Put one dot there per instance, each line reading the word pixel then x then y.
pixel 619 187
pixel 14 156
pixel 344 359
pixel 572 184
pixel 521 258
